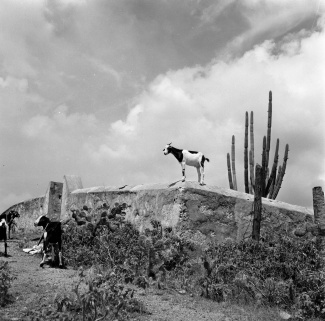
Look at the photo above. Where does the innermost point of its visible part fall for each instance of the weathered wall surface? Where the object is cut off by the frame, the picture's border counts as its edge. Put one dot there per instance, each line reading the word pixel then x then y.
pixel 70 183
pixel 52 201
pixel 29 211
pixel 197 212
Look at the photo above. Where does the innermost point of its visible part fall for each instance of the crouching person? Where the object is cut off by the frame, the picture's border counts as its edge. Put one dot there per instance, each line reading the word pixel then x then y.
pixel 52 233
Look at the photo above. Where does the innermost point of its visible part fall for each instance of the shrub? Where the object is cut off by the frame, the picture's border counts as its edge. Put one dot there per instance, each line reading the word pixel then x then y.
pixel 284 271
pixel 99 295
pixel 134 256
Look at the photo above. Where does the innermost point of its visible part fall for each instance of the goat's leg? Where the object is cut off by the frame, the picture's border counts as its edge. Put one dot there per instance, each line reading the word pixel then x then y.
pixel 199 174
pixel 43 260
pixel 44 254
pixel 202 175
pixel 60 255
pixel 183 172
pixel 60 260
pixel 6 254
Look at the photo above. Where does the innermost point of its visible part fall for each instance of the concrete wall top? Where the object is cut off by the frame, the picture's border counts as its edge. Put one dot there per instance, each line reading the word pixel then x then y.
pixel 29 211
pixel 189 185
pixel 72 182
pixel 22 203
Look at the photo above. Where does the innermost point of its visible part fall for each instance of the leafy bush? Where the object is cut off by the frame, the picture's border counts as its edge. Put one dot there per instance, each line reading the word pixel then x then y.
pixel 285 272
pixel 135 256
pixel 99 295
pixel 6 279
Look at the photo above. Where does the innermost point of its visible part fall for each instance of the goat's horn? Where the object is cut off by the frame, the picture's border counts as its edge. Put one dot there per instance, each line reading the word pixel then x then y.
pixel 169 143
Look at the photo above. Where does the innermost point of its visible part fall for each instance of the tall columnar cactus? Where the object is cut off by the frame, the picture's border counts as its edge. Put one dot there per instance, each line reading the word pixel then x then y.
pixel 283 169
pixel 246 154
pixel 277 181
pixel 233 163
pixel 251 153
pixel 269 125
pixel 231 185
pixel 257 203
pixel 271 182
pixel 263 166
pixel 251 170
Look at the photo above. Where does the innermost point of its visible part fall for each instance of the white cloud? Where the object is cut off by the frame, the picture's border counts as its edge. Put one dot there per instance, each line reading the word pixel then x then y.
pixel 272 19
pixel 107 69
pixel 38 126
pixel 61 126
pixel 20 84
pixel 211 12
pixel 128 127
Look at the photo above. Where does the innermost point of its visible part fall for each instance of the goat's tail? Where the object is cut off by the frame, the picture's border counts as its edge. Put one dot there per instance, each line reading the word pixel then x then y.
pixel 207 159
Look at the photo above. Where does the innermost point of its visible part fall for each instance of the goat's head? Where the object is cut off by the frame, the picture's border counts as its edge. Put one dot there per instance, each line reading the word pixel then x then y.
pixel 42 221
pixel 3 223
pixel 167 148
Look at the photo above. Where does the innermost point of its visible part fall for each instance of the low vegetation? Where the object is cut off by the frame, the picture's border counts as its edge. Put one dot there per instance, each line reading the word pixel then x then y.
pixel 281 271
pixel 115 259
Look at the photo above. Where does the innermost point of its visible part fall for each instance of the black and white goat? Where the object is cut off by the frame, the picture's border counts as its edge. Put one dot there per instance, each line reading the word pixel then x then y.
pixel 188 157
pixel 9 217
pixel 3 233
pixel 52 235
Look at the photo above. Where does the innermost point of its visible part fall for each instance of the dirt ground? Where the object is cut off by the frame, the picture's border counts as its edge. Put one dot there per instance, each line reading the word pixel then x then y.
pixel 35 285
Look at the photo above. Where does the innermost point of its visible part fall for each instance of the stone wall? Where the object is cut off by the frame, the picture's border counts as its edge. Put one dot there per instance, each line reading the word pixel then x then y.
pixel 197 212
pixel 52 201
pixel 29 211
pixel 70 183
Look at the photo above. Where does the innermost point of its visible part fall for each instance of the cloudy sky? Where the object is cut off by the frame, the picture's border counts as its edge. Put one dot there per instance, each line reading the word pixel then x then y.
pixel 98 88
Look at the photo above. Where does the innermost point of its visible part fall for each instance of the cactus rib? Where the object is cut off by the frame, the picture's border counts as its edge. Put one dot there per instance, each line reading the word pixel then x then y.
pixel 233 162
pixel 231 185
pixel 263 166
pixel 269 125
pixel 246 154
pixel 251 153
pixel 284 165
pixel 271 181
